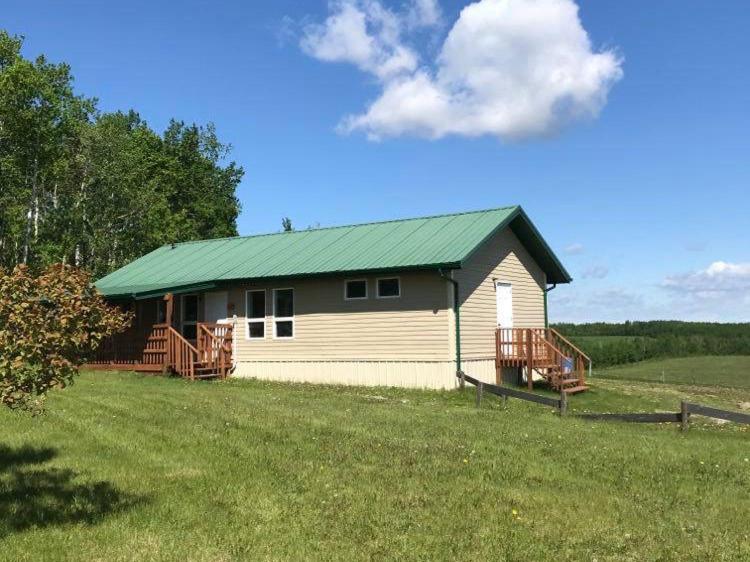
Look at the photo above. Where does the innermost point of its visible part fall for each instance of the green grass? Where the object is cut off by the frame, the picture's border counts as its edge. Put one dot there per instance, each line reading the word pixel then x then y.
pixel 731 371
pixel 124 467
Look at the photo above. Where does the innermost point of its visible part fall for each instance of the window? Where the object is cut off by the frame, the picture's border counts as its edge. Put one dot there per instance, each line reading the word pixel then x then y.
pixel 389 288
pixel 255 310
pixel 283 313
pixel 355 289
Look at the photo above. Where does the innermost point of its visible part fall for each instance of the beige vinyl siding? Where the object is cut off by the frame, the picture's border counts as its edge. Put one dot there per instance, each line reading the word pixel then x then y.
pixel 413 327
pixel 505 259
pixel 415 374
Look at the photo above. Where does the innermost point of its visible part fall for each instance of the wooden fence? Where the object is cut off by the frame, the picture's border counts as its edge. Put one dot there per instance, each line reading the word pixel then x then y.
pixel 682 417
pixel 561 404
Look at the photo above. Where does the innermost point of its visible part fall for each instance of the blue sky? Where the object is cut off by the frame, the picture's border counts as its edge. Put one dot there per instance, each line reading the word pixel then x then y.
pixel 641 189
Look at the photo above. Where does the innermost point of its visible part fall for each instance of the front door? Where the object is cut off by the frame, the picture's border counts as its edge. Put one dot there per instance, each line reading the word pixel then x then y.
pixel 189 317
pixel 216 307
pixel 504 300
pixel 504 297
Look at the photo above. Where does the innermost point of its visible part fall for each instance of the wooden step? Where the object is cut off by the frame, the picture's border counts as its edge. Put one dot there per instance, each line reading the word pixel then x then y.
pixel 207 376
pixel 575 389
pixel 570 381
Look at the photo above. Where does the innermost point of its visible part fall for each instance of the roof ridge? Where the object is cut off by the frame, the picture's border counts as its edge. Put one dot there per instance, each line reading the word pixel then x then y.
pixel 342 226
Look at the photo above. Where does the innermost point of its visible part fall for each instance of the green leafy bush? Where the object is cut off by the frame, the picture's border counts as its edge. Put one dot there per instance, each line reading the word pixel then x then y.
pixel 50 324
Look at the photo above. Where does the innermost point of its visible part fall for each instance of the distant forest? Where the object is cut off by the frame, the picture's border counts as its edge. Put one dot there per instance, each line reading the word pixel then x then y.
pixel 98 189
pixel 615 344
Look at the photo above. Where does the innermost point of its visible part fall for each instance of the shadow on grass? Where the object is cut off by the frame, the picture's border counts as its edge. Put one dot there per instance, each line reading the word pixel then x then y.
pixel 32 497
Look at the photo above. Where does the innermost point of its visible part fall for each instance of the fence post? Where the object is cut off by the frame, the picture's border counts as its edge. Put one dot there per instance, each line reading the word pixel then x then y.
pixel 480 386
pixel 684 416
pixel 563 402
pixel 461 380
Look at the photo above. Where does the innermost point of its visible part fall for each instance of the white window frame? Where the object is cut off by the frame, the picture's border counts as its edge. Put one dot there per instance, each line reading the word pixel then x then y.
pixel 249 320
pixel 377 287
pixel 367 290
pixel 284 318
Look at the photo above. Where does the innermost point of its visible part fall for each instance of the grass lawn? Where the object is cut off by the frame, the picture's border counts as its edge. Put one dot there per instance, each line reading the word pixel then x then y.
pixel 732 371
pixel 126 467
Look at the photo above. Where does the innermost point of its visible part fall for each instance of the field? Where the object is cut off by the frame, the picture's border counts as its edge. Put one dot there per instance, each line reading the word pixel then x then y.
pixel 731 371
pixel 126 467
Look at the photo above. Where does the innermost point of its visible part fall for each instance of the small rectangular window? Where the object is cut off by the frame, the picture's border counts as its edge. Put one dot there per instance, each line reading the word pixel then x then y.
pixel 256 314
pixel 389 288
pixel 355 289
pixel 283 313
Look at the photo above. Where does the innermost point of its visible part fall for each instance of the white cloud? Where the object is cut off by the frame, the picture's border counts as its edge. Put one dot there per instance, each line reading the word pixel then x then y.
pixel 718 279
pixel 424 13
pixel 595 272
pixel 508 68
pixel 363 33
pixel 574 249
pixel 612 304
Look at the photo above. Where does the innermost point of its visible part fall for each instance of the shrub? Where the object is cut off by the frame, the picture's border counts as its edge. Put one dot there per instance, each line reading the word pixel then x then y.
pixel 50 324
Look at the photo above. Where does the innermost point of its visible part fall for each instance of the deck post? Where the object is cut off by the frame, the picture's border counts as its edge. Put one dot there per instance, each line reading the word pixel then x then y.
pixel 684 416
pixel 480 388
pixel 498 367
pixel 529 360
pixel 168 312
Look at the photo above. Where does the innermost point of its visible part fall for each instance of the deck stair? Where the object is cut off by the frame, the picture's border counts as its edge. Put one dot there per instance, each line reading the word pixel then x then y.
pixel 543 352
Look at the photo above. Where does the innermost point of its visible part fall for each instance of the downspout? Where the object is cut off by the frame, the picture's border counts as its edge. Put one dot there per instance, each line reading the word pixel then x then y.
pixel 456 311
pixel 546 316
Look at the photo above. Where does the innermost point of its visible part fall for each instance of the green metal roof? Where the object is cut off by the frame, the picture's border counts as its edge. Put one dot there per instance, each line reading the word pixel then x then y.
pixel 444 241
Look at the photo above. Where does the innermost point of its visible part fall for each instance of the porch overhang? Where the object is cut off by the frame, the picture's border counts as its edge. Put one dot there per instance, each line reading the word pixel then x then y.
pixel 151 292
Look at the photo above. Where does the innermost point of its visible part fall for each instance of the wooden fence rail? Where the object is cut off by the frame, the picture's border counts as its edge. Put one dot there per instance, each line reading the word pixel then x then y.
pixel 505 392
pixel 682 417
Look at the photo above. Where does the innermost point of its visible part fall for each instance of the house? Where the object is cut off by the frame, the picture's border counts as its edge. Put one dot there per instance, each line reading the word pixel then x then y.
pixel 398 303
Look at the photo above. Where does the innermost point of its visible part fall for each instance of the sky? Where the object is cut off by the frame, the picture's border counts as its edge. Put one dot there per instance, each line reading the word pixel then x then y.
pixel 620 127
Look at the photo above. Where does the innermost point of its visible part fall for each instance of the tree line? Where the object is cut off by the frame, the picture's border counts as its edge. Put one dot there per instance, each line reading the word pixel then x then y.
pixel 95 189
pixel 614 344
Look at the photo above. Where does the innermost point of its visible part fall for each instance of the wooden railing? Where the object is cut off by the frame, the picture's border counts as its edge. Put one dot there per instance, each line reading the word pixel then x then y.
pixel 145 348
pixel 214 345
pixel 182 356
pixel 542 350
pixel 162 348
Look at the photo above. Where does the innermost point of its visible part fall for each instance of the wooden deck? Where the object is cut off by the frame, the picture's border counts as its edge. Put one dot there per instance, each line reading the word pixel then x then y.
pixel 543 352
pixel 160 348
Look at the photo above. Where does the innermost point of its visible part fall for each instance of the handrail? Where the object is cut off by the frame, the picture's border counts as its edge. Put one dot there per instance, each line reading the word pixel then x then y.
pixel 181 354
pixel 213 349
pixel 184 341
pixel 568 342
pixel 546 342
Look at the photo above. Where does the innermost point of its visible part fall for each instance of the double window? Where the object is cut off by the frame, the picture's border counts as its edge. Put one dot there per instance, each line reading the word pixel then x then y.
pixel 386 288
pixel 283 313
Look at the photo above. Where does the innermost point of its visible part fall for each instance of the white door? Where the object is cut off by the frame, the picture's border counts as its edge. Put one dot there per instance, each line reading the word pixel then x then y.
pixel 215 307
pixel 504 300
pixel 504 297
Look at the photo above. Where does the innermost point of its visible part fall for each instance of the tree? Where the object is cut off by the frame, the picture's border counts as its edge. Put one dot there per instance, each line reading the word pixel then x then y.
pixel 50 324
pixel 98 190
pixel 286 224
pixel 40 121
